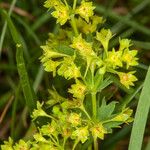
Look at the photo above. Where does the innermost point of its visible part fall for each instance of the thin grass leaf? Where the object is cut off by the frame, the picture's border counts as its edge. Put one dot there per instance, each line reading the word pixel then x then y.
pixel 118 26
pixel 29 30
pixel 41 20
pixel 125 20
pixel 5 26
pixel 141 116
pixel 24 79
pixel 38 79
pixel 129 97
pixel 142 44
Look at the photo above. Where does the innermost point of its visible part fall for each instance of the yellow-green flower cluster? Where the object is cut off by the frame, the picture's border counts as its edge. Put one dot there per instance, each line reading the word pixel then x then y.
pixel 62 12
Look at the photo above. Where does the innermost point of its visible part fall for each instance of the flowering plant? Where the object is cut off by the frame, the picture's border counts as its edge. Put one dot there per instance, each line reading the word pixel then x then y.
pixel 80 52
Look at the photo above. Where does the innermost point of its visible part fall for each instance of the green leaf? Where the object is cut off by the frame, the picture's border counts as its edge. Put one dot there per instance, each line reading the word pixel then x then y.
pixel 105 111
pixel 141 116
pixel 25 83
pixel 65 50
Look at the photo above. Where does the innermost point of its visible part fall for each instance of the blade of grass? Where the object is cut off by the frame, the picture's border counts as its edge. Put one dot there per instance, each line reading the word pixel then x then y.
pixel 41 20
pixel 29 30
pixel 142 44
pixel 14 108
pixel 125 20
pixel 24 79
pixel 136 10
pixel 5 26
pixel 38 79
pixel 141 116
pixel 129 97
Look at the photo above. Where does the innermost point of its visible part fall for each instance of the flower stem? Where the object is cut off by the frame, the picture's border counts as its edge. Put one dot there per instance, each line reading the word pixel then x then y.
pixel 83 109
pixel 74 26
pixel 75 144
pixel 74 4
pixel 94 104
pixel 95 144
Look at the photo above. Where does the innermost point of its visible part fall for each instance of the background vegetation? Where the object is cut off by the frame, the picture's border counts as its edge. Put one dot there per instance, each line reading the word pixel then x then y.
pixel 126 18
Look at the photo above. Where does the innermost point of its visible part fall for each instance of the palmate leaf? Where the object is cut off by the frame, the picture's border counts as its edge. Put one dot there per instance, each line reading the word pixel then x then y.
pixel 105 111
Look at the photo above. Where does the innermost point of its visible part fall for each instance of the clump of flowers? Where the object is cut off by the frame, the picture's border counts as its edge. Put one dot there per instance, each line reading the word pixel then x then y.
pixel 79 51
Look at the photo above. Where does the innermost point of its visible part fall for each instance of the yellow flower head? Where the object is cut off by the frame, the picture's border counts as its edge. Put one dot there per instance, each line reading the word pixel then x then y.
pixel 61 14
pixel 104 36
pixel 124 116
pixel 68 68
pixel 129 57
pixel 81 134
pixel 98 131
pixel 124 44
pixel 90 27
pixel 74 119
pixel 114 59
pixel 85 10
pixel 127 79
pixel 52 3
pixel 82 46
pixel 78 90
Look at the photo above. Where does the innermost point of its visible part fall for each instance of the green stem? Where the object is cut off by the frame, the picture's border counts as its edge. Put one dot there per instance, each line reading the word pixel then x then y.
pixel 74 26
pixel 66 3
pixel 83 109
pixel 94 104
pixel 75 144
pixel 98 81
pixel 74 4
pixel 95 144
pixel 5 26
pixel 90 147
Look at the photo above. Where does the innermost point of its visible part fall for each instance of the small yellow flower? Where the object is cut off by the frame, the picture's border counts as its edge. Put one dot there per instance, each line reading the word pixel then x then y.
pixel 52 3
pixel 127 79
pixel 104 36
pixel 74 119
pixel 85 10
pixel 124 116
pixel 39 112
pixel 50 66
pixel 39 138
pixel 49 52
pixel 48 129
pixel 61 14
pixel 68 69
pixel 124 44
pixel 82 46
pixel 81 134
pixel 129 57
pixel 114 59
pixel 78 90
pixel 22 145
pixel 90 27
pixel 98 131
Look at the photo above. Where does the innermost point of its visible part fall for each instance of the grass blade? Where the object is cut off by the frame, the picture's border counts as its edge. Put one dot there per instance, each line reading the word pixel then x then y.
pixel 24 79
pixel 141 116
pixel 5 26
pixel 125 20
